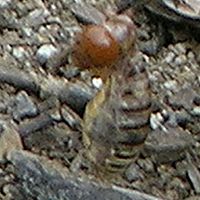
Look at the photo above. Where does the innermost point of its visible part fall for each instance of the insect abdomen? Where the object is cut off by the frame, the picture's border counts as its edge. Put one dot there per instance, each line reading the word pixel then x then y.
pixel 116 121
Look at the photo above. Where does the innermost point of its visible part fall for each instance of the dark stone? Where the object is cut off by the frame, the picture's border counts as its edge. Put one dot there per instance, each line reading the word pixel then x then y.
pixel 40 122
pixel 69 72
pixel 196 100
pixel 76 96
pixel 23 107
pixel 18 79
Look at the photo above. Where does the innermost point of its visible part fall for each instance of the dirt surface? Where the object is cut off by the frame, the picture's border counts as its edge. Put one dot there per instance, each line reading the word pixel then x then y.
pixel 43 98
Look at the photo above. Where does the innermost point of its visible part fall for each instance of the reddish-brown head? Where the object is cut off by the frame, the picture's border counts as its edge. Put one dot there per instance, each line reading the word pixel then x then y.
pixel 99 47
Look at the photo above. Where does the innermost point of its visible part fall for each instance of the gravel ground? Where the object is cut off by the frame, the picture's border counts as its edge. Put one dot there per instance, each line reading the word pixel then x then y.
pixel 43 97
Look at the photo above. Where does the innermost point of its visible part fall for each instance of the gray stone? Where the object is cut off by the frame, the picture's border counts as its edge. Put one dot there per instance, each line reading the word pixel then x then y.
pixel 169 145
pixel 182 118
pixel 182 99
pixel 45 52
pixel 27 32
pixel 196 111
pixel 8 21
pixel 75 94
pixel 170 85
pixel 133 173
pixel 18 79
pixel 19 53
pixel 179 117
pixel 87 14
pixel 68 72
pixel 169 57
pixel 5 3
pixel 40 122
pixel 180 60
pixel 180 47
pixel 36 17
pixel 23 107
pixel 146 165
pixel 181 169
pixel 156 120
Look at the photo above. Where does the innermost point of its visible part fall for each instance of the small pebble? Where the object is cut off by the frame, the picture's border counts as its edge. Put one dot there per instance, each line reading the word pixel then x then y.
pixel 23 107
pixel 156 121
pixel 45 52
pixel 27 31
pixel 171 85
pixel 180 47
pixel 19 53
pixel 181 169
pixel 180 60
pixel 133 173
pixel 169 58
pixel 97 83
pixel 37 16
pixel 70 72
pixel 146 165
pixel 182 118
pixel 191 55
pixel 5 3
pixel 196 100
pixel 196 111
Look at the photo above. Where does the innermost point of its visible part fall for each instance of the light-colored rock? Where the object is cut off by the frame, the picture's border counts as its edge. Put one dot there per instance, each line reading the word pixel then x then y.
pixel 9 140
pixel 45 52
pixel 5 3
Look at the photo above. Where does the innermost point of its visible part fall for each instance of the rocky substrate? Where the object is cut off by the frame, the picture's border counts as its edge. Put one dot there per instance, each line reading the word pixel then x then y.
pixel 43 97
